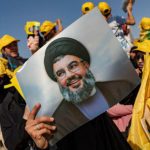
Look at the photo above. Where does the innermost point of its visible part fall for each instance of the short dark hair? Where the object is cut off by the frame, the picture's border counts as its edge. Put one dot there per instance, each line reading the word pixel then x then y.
pixel 133 48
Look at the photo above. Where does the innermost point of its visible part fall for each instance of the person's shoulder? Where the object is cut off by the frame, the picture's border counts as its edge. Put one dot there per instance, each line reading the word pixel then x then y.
pixel 12 98
pixel 9 97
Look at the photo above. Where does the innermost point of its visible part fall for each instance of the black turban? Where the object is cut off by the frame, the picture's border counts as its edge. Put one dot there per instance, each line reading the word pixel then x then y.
pixel 63 46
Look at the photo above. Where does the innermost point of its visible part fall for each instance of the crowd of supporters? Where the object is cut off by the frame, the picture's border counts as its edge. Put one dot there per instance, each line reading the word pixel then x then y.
pixel 19 125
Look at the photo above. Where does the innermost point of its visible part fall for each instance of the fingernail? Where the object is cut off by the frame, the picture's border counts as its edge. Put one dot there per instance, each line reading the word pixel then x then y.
pixel 51 118
pixel 53 127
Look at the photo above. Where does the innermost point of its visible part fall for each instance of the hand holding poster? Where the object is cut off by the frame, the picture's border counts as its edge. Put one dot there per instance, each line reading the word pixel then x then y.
pixel 78 75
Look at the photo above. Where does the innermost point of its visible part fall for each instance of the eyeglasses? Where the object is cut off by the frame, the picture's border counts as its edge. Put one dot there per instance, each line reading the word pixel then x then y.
pixel 73 67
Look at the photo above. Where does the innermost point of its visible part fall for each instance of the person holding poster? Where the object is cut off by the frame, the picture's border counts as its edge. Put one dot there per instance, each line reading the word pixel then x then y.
pixel 67 62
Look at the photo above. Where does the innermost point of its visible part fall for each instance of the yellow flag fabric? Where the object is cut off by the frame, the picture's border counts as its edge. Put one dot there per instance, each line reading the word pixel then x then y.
pixel 15 83
pixel 12 75
pixel 139 136
pixel 4 68
pixel 144 35
pixel 143 46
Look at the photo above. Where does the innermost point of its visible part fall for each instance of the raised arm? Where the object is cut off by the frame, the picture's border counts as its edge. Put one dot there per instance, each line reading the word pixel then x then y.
pixel 59 25
pixel 130 18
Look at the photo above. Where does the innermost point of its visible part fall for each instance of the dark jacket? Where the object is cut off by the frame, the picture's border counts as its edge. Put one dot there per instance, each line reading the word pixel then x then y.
pixel 3 81
pixel 12 123
pixel 98 134
pixel 12 108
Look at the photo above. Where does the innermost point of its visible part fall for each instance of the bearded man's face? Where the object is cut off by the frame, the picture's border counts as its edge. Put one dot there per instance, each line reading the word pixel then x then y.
pixel 74 78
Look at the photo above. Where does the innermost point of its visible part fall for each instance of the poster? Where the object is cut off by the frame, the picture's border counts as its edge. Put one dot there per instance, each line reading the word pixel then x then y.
pixel 114 75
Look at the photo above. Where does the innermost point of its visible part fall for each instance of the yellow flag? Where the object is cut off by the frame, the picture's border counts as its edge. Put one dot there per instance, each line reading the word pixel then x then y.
pixel 15 83
pixel 139 134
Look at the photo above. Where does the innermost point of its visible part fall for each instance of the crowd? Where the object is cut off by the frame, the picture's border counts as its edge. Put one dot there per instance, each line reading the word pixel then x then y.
pixel 112 130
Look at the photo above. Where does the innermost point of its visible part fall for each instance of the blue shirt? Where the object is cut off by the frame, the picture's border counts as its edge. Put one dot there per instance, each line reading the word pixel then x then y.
pixel 94 105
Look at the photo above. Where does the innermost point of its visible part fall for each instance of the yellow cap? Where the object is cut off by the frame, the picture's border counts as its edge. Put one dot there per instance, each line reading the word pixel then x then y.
pixel 6 40
pixel 145 23
pixel 143 46
pixel 104 8
pixel 46 27
pixel 86 7
pixel 29 27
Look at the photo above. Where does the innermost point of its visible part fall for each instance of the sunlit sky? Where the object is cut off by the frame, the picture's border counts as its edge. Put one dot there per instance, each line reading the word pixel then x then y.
pixel 15 13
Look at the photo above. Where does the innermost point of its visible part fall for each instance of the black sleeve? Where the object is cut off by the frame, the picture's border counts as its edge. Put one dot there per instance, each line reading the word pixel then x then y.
pixel 130 99
pixel 3 81
pixel 54 147
pixel 12 124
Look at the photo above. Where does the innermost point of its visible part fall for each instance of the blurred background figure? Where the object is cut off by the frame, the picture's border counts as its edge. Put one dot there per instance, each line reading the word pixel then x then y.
pixel 140 49
pixel 139 134
pixel 11 108
pixel 9 61
pixel 119 25
pixel 145 29
pixel 105 9
pixel 139 60
pixel 34 38
pixel 50 29
pixel 120 113
pixel 9 50
pixel 132 55
pixel 86 7
pixel 141 46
